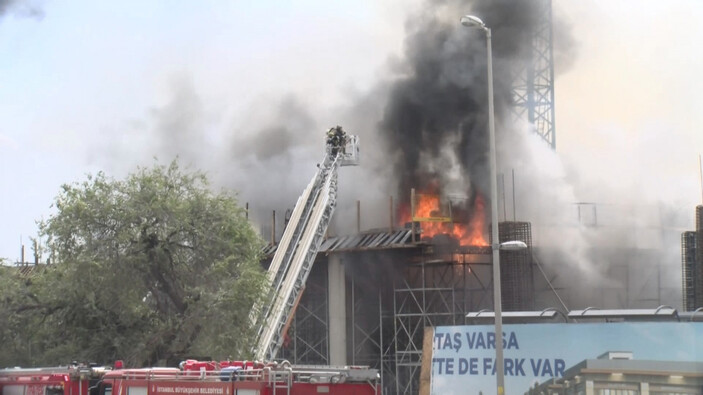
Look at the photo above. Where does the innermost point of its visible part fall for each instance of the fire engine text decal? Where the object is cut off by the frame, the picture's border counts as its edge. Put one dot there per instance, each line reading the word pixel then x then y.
pixel 189 390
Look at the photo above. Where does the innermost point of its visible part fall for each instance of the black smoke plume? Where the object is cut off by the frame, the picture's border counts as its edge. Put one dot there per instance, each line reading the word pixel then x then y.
pixel 435 120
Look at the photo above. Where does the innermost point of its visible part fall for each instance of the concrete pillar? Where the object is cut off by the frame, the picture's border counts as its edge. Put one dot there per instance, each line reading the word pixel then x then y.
pixel 589 388
pixel 644 388
pixel 336 296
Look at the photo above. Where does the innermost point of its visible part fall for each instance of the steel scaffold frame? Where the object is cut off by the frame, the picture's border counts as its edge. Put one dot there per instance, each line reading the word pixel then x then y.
pixel 308 333
pixel 517 281
pixel 697 273
pixel 386 324
pixel 431 294
pixel 372 341
pixel 688 269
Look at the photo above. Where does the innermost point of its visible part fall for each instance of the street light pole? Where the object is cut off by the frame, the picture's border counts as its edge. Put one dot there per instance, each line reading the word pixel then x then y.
pixel 495 242
pixel 475 22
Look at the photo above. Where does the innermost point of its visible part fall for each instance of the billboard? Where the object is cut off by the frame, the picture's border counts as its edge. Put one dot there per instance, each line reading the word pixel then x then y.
pixel 463 357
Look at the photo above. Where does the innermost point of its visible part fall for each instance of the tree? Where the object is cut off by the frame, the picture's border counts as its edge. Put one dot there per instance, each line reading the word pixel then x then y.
pixel 16 322
pixel 146 269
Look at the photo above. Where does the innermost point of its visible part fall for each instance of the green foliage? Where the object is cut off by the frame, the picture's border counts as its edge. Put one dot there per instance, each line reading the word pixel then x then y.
pixel 15 299
pixel 147 269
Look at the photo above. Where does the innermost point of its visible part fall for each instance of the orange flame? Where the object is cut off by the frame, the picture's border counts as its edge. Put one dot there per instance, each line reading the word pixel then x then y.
pixel 427 206
pixel 468 234
pixel 474 234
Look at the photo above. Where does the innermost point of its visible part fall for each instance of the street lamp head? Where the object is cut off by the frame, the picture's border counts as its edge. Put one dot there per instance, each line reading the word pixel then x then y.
pixel 473 21
pixel 516 245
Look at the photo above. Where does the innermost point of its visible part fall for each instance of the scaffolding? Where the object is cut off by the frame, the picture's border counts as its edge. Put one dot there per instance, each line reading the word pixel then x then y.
pixel 516 268
pixel 393 294
pixel 699 255
pixel 307 340
pixel 695 293
pixel 438 285
pixel 372 340
pixel 396 288
pixel 688 268
pixel 432 293
pixel 692 265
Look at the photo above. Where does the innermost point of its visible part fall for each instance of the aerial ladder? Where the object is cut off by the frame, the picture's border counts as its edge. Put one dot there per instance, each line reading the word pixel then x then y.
pixel 300 243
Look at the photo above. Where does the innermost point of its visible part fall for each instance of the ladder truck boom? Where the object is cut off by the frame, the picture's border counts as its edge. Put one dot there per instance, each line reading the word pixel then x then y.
pixel 300 243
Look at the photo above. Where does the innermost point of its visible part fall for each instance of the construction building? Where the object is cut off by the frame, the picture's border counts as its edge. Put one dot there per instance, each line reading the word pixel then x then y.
pixel 692 265
pixel 370 295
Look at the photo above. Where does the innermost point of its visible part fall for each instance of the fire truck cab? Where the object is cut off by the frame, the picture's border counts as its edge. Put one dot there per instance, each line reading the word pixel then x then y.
pixel 63 380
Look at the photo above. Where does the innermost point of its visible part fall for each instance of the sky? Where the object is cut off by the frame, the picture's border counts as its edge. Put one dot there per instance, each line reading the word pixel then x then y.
pixel 91 86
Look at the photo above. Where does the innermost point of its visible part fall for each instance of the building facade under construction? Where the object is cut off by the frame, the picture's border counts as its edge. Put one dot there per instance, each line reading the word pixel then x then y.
pixel 370 295
pixel 692 265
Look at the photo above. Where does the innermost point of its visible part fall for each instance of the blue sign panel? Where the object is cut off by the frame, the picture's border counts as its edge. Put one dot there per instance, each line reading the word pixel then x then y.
pixel 463 357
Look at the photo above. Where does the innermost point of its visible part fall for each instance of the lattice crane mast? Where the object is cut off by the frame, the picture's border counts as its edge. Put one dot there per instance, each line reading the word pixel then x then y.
pixel 300 243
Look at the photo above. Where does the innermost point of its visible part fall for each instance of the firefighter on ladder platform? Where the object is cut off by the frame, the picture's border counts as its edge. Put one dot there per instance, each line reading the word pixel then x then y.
pixel 336 140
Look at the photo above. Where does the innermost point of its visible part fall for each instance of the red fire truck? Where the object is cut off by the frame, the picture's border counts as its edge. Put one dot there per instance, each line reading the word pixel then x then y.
pixel 194 378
